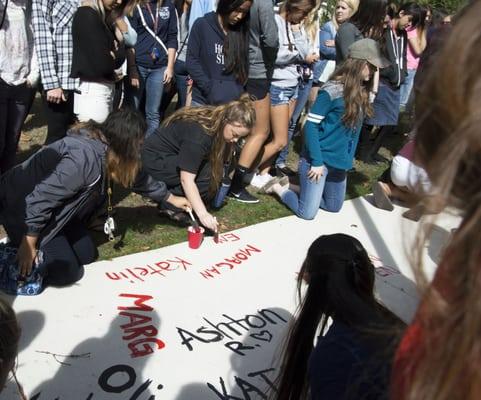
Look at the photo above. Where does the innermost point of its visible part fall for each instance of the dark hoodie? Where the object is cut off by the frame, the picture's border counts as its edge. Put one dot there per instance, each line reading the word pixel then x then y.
pixel 166 31
pixel 65 179
pixel 396 52
pixel 205 63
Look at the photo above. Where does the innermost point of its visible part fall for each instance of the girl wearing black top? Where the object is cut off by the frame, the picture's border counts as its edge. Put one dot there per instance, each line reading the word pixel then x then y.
pixel 97 52
pixel 190 150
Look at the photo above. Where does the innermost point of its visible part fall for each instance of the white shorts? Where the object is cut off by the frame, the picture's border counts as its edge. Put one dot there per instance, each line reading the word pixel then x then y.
pixel 94 101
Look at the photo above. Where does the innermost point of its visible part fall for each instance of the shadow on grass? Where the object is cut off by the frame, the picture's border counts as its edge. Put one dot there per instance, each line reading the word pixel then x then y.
pixel 356 182
pixel 139 220
pixel 37 118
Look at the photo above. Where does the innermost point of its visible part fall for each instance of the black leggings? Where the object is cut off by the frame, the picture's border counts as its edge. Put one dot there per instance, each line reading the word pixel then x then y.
pixel 65 255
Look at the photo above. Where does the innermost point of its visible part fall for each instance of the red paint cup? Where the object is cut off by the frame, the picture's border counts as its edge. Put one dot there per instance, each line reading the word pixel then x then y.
pixel 195 237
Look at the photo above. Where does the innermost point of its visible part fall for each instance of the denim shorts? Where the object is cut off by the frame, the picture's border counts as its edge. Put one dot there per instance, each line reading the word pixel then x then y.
pixel 282 95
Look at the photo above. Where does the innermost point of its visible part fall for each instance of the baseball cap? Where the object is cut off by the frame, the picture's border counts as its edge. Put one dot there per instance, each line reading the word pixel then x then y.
pixel 368 49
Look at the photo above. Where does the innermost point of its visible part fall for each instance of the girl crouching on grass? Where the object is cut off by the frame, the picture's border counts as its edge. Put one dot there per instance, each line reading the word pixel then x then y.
pixel 47 201
pixel 190 150
pixel 331 134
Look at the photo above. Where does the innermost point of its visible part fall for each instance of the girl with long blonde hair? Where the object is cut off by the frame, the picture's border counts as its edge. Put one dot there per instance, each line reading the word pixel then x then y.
pixel 331 134
pixel 189 151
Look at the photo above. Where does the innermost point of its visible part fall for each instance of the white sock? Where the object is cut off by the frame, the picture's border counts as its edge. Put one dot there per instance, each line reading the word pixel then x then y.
pixel 279 190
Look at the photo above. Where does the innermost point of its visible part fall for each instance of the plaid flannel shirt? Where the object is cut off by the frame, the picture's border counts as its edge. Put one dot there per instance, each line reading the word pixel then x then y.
pixel 52 24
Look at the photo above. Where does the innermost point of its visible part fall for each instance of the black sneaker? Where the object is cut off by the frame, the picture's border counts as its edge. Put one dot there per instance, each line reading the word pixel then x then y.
pixel 244 197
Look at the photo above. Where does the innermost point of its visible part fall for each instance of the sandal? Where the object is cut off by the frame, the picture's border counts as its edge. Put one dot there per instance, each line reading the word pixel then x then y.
pixel 381 199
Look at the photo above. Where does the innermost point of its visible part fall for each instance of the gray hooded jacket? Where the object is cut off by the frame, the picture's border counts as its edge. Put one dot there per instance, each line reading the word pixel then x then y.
pixel 65 179
pixel 263 40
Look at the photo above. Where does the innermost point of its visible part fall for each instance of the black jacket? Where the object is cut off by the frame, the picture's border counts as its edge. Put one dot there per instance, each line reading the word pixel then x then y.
pixel 92 43
pixel 65 179
pixel 395 74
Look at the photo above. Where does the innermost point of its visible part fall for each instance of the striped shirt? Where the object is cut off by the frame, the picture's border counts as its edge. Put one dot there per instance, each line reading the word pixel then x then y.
pixel 52 24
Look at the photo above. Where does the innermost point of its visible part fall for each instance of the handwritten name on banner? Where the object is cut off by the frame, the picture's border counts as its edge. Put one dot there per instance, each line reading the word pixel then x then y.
pixel 248 387
pixel 161 268
pixel 117 379
pixel 230 262
pixel 139 331
pixel 257 326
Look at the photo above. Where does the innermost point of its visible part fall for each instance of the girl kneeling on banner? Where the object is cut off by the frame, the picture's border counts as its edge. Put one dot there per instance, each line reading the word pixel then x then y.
pixel 331 134
pixel 190 150
pixel 46 201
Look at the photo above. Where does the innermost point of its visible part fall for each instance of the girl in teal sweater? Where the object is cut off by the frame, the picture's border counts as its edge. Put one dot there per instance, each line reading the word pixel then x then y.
pixel 331 134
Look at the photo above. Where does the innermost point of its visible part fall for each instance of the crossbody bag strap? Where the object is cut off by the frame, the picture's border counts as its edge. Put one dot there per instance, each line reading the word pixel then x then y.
pixel 151 32
pixel 183 43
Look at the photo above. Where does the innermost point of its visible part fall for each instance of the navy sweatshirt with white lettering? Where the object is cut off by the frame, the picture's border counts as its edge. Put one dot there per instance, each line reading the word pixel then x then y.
pixel 166 31
pixel 205 63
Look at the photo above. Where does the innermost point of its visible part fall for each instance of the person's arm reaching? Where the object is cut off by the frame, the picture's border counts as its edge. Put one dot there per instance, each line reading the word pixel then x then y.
pixel 187 180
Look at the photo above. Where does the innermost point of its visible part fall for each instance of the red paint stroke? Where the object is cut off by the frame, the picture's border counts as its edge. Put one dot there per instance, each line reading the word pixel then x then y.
pixel 138 330
pixel 227 237
pixel 140 274
pixel 229 263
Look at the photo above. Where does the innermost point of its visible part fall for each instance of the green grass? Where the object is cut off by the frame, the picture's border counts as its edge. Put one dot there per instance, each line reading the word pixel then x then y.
pixel 139 226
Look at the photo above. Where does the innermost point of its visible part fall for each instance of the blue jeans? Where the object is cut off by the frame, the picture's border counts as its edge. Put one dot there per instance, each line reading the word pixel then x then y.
pixel 181 75
pixel 406 88
pixel 328 193
pixel 152 86
pixel 302 96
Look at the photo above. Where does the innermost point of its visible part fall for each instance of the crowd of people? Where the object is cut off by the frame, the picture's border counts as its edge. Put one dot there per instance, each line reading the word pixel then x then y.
pixel 243 75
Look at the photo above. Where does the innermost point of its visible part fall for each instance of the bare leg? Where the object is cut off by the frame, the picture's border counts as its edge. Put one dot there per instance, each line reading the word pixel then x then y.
pixel 259 133
pixel 280 116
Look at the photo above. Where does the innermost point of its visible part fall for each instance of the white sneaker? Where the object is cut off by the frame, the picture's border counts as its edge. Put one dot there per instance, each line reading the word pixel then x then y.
pixel 258 181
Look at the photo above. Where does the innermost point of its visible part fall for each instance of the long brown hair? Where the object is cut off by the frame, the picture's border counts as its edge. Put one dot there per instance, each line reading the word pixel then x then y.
pixel 445 364
pixel 356 91
pixel 213 119
pixel 123 132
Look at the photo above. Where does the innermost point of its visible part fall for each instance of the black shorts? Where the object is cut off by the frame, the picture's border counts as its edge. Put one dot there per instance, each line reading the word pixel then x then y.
pixel 258 88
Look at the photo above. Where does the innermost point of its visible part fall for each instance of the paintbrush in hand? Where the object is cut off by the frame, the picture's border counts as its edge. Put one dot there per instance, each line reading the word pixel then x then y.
pixel 195 224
